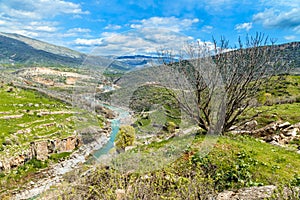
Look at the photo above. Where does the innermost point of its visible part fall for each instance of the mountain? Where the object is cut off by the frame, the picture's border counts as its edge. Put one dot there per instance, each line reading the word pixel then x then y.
pixel 17 49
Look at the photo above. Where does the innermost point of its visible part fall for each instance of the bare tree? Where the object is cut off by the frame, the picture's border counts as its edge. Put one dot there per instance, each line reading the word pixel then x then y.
pixel 224 81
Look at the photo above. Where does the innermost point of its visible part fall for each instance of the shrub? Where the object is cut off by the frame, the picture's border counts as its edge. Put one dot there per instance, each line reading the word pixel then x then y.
pixel 125 137
pixel 171 126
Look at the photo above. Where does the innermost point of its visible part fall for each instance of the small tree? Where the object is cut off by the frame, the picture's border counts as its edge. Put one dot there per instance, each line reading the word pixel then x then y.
pixel 125 137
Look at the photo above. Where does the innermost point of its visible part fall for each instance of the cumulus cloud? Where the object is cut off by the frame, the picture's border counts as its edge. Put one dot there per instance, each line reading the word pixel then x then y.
pixel 290 37
pixel 39 9
pixel 88 42
pixel 280 14
pixel 36 18
pixel 112 27
pixel 146 37
pixel 138 41
pixel 172 23
pixel 244 26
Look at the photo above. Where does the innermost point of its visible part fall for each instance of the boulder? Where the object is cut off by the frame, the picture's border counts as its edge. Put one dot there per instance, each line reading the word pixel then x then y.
pixel 41 150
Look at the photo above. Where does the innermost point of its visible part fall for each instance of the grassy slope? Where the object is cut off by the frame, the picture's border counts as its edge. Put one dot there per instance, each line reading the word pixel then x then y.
pixel 29 103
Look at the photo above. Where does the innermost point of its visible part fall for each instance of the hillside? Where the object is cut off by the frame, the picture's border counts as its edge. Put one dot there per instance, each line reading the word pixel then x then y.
pixel 38 132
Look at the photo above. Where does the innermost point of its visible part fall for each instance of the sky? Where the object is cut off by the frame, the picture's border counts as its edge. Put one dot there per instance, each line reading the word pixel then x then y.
pixel 114 27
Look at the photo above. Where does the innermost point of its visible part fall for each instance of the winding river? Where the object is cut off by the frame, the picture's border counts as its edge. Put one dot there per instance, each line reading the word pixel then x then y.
pixel 56 172
pixel 115 125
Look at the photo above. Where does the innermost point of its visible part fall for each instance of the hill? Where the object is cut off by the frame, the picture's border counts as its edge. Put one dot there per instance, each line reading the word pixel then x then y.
pixel 17 49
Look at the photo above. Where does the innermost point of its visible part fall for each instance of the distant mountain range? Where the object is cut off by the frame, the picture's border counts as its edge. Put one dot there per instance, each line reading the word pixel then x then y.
pixel 17 49
pixel 20 50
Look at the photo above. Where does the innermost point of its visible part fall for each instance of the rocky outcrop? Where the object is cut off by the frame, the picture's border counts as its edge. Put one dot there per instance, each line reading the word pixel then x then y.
pixel 260 193
pixel 277 133
pixel 41 150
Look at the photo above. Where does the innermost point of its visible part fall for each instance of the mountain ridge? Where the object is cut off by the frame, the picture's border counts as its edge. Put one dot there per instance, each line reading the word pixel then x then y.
pixel 23 50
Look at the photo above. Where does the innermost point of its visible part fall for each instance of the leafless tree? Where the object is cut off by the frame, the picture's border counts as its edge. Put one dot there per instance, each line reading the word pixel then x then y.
pixel 224 82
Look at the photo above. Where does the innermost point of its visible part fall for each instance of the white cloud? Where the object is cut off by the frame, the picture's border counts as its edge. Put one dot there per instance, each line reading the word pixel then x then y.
pixel 146 37
pixel 137 41
pixel 35 18
pixel 79 30
pixel 112 27
pixel 39 9
pixel 88 42
pixel 172 23
pixel 207 29
pixel 244 26
pixel 280 14
pixel 290 37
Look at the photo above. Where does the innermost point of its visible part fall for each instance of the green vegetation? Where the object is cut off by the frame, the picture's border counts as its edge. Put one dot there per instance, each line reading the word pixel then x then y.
pixel 26 116
pixel 56 157
pixel 125 137
pixel 234 162
pixel 280 102
pixel 268 114
pixel 285 89
pixel 17 177
pixel 155 106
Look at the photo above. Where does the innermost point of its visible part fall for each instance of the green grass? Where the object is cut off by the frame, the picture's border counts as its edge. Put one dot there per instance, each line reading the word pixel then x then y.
pixel 16 134
pixel 282 89
pixel 267 114
pixel 233 162
pixel 154 106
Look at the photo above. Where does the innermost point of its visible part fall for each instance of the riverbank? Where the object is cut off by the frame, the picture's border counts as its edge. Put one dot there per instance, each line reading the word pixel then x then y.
pixel 54 174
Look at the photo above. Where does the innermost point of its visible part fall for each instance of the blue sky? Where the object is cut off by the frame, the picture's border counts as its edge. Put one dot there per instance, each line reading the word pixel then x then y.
pixel 144 26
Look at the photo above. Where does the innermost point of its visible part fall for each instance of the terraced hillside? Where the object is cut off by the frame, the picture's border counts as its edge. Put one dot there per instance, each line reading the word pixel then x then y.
pixel 26 118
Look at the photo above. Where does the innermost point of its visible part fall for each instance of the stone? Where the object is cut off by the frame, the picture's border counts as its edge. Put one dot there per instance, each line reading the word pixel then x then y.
pixel 41 150
pixel 267 130
pixel 251 193
pixel 225 195
pixel 284 125
pixel 121 194
pixel 291 132
pixel 251 125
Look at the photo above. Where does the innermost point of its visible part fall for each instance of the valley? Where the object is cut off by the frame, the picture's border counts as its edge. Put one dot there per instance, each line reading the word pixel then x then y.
pixel 60 117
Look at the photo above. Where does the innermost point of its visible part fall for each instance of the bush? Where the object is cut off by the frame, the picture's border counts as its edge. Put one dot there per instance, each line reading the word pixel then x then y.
pixel 171 126
pixel 125 137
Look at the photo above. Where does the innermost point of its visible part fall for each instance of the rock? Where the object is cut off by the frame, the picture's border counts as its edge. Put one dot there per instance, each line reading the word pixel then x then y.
pixel 251 125
pixel 121 194
pixel 297 125
pixel 291 132
pixel 41 150
pixel 251 193
pixel 230 129
pixel 129 148
pixel 275 143
pixel 284 125
pixel 225 195
pixel 267 130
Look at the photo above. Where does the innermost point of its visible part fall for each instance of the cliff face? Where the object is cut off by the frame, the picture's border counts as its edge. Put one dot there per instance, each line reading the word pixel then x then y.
pixel 41 151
